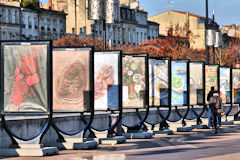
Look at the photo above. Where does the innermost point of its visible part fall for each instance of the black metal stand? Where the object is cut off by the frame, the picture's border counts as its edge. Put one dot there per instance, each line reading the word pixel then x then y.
pixel 183 117
pixel 163 123
pixel 138 125
pixel 62 134
pixel 14 138
pixel 236 114
pixel 111 127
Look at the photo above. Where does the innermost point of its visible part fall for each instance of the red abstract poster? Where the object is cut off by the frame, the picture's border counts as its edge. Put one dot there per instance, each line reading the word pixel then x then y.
pixel 25 78
pixel 71 79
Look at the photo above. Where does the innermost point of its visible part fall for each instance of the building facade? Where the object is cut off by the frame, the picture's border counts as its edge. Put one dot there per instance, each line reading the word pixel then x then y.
pixel 184 21
pixel 28 24
pixel 132 29
pixel 231 30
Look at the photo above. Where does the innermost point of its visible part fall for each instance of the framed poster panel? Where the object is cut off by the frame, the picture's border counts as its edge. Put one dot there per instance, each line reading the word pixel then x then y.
pixel 211 79
pixel 134 80
pixel 72 79
pixel 25 77
pixel 196 81
pixel 159 77
pixel 107 80
pixel 236 86
pixel 225 84
pixel 179 81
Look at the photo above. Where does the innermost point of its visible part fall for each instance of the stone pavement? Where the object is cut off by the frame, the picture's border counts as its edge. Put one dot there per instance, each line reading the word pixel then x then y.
pixel 201 144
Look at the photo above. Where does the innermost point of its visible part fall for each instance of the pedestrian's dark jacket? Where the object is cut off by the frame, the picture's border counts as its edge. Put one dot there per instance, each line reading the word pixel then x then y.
pixel 210 94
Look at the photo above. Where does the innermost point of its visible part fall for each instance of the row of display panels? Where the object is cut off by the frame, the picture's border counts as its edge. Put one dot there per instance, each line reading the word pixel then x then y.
pixel 35 79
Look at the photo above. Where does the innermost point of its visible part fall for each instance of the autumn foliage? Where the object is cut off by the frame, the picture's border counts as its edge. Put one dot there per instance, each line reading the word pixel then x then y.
pixel 71 41
pixel 175 45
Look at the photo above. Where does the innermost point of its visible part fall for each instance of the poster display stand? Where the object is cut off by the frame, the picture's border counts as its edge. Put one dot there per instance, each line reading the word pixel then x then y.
pixel 159 94
pixel 108 95
pixel 180 91
pixel 135 93
pixel 235 91
pixel 197 93
pixel 73 94
pixel 225 86
pixel 25 91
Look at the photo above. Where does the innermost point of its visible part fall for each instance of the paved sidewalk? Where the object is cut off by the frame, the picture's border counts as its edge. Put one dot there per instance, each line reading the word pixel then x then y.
pixel 198 144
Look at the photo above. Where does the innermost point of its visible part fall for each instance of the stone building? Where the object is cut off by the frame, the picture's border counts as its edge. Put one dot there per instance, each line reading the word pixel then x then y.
pixel 132 29
pixel 9 21
pixel 185 21
pixel 24 23
pixel 231 30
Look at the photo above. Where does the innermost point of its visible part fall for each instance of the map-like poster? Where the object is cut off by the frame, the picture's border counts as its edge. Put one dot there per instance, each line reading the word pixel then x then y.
pixel 225 87
pixel 179 83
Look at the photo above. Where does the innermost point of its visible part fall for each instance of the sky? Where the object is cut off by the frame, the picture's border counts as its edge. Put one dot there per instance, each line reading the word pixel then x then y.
pixel 227 12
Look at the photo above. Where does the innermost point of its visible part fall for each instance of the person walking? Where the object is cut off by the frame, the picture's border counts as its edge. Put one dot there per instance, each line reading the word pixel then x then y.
pixel 210 94
pixel 216 107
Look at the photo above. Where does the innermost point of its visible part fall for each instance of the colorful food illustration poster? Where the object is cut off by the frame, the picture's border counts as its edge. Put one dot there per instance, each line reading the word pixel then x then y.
pixel 211 78
pixel 225 87
pixel 25 77
pixel 196 83
pixel 134 82
pixel 71 84
pixel 158 82
pixel 106 80
pixel 179 83
pixel 236 86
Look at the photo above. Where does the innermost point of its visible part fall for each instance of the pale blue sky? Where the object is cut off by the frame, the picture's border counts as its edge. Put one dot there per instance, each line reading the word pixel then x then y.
pixel 226 11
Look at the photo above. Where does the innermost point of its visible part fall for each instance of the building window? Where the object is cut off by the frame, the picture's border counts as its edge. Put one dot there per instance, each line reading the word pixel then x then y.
pixel 114 35
pixel 16 17
pixel 123 35
pixel 29 22
pixel 201 20
pixel 10 16
pixel 118 34
pixel 35 23
pixel 73 30
pixel 129 36
pixel 137 37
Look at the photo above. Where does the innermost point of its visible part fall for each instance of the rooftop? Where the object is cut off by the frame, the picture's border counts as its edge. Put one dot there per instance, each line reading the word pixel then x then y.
pixel 182 12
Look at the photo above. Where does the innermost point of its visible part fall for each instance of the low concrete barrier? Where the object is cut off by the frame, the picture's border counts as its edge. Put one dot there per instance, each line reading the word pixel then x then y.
pixel 28 127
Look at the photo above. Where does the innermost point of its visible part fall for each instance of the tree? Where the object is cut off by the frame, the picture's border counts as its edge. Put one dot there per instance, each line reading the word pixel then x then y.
pixel 32 4
pixel 71 41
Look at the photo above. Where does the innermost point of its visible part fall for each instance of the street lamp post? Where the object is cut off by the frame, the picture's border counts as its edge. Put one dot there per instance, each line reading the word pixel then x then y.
pixel 213 45
pixel 206 28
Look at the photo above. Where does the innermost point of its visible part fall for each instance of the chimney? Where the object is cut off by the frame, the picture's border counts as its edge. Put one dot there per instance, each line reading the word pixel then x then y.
pixel 50 4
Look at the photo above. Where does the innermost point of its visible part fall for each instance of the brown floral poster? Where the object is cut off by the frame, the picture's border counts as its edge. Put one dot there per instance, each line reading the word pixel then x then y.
pixel 25 77
pixel 106 80
pixel 71 79
pixel 134 84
